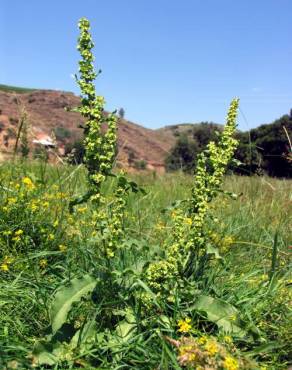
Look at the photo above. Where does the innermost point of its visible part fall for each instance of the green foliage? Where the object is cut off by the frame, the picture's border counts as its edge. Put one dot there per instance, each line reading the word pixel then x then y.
pixel 186 254
pixel 120 330
pixel 183 155
pixel 140 165
pixel 206 132
pixel 263 150
pixel 99 148
pixel 273 146
pixel 40 153
pixel 118 283
pixel 121 113
pixel 16 89
pixel 24 145
pixel 62 133
pixel 23 135
pixel 75 152
pixel 224 315
pixel 66 296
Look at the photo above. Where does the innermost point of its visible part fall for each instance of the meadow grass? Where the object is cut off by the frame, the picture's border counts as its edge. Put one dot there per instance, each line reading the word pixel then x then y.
pixel 44 246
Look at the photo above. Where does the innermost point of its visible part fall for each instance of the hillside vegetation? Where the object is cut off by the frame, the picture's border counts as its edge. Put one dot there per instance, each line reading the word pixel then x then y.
pixel 263 150
pixel 16 89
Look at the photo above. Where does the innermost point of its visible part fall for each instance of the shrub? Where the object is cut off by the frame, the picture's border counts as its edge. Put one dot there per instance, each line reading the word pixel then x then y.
pixel 62 133
pixel 182 156
pixel 140 165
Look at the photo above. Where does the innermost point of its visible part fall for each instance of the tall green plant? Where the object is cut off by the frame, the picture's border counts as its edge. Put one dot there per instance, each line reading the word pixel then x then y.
pixel 100 148
pixel 187 253
pixel 100 144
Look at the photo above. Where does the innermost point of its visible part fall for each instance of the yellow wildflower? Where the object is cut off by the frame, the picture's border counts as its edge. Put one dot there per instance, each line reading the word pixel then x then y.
pixel 188 221
pixel 230 363
pixel 11 200
pixel 56 223
pixel 5 209
pixel 28 183
pixel 4 267
pixel 160 226
pixel 227 339
pixel 33 207
pixel 51 236
pixel 62 248
pixel 233 317
pixel 110 253
pixel 211 347
pixel 43 263
pixel 18 232
pixel 184 325
pixel 202 340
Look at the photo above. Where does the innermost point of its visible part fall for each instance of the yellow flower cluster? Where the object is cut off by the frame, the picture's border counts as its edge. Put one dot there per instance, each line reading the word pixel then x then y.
pixel 17 235
pixel 5 264
pixel 223 243
pixel 206 353
pixel 230 363
pixel 28 183
pixel 184 326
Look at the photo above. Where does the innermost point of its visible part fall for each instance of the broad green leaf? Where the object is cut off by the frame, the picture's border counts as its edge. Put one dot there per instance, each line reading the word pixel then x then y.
pixel 223 314
pixel 85 336
pixel 45 353
pixel 127 327
pixel 66 296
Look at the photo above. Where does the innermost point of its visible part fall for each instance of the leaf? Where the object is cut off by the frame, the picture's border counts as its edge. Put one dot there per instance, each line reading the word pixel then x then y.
pixel 45 353
pixel 127 327
pixel 66 296
pixel 84 335
pixel 223 314
pixel 265 348
pixel 212 250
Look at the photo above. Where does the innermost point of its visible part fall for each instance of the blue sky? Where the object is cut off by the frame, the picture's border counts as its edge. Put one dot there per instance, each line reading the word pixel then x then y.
pixel 163 61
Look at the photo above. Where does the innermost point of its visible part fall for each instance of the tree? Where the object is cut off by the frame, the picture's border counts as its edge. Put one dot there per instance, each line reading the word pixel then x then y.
pixel 205 132
pixel 247 153
pixel 75 152
pixel 265 149
pixel 183 155
pixel 272 142
pixel 121 113
pixel 62 133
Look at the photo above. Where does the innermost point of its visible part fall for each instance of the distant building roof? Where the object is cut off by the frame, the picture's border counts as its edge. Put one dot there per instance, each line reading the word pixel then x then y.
pixel 45 140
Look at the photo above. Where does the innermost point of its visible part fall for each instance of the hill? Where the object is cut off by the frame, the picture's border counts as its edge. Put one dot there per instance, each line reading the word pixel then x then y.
pixel 47 113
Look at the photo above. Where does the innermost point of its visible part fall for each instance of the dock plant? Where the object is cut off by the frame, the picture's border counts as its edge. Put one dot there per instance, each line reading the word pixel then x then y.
pixel 188 252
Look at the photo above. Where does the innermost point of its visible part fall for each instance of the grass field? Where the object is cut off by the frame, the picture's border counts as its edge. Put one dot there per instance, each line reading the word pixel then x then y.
pixel 44 247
